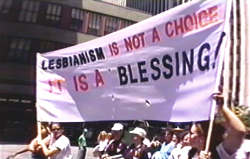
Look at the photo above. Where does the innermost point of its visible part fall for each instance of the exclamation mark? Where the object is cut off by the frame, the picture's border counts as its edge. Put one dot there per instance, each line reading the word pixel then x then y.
pixel 223 34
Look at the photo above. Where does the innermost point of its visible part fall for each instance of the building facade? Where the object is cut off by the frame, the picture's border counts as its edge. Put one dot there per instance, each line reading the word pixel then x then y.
pixel 31 26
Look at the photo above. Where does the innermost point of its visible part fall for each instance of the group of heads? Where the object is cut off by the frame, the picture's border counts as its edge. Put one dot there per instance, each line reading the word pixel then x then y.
pixel 196 137
pixel 117 130
pixel 105 136
pixel 139 134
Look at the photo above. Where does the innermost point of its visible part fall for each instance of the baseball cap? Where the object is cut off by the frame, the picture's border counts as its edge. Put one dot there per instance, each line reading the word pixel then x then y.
pixel 117 127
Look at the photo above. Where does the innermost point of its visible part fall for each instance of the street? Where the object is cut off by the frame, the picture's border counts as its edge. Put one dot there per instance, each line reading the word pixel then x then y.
pixel 7 149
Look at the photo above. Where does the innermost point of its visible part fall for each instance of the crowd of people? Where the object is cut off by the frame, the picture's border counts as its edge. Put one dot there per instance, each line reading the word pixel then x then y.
pixel 228 141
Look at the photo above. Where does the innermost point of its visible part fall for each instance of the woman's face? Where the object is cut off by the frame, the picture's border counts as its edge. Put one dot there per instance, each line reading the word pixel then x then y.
pixel 185 141
pixel 175 139
pixel 56 130
pixel 195 139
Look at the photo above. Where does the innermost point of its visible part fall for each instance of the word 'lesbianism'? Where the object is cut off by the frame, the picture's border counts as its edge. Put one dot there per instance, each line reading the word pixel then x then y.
pixel 74 60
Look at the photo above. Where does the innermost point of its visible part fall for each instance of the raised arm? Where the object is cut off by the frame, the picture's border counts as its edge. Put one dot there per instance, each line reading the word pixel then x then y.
pixel 237 129
pixel 18 152
pixel 29 147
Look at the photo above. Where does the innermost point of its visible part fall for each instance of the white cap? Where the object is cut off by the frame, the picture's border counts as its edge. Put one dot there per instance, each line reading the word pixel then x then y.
pixel 139 131
pixel 85 130
pixel 117 127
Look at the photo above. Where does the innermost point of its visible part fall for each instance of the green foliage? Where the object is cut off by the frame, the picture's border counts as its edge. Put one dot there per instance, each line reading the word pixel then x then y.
pixel 244 114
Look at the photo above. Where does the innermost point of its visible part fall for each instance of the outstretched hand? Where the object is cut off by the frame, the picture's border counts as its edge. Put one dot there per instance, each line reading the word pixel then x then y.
pixel 11 156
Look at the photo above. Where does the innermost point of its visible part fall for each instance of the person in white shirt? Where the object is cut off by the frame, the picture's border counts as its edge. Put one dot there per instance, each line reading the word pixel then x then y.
pixel 102 140
pixel 59 147
pixel 182 146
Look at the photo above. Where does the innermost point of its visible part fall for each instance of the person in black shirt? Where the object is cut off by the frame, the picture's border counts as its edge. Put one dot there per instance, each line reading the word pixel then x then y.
pixel 137 150
pixel 116 146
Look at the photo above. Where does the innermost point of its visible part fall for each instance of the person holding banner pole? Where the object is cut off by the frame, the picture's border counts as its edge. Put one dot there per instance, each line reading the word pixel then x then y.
pixel 230 147
pixel 59 147
pixel 220 148
pixel 33 147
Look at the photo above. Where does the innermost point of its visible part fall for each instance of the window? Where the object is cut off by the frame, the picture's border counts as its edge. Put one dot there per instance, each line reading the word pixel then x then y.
pixel 4 43
pixel 5 6
pixel 23 50
pixel 126 23
pixel 77 16
pixel 94 23
pixel 46 46
pixel 19 50
pixel 62 46
pixel 110 25
pixel 53 15
pixel 29 11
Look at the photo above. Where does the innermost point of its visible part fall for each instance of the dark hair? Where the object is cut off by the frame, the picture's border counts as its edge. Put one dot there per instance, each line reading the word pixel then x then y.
pixel 59 124
pixel 171 132
pixel 45 124
pixel 216 137
pixel 167 130
pixel 183 134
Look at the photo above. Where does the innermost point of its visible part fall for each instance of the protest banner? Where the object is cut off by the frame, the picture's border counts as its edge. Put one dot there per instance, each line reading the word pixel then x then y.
pixel 164 68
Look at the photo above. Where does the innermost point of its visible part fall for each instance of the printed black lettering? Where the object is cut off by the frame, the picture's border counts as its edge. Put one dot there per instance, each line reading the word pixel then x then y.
pixel 153 64
pixel 188 62
pixel 165 60
pixel 203 48
pixel 92 55
pixel 43 66
pixel 65 62
pixel 132 79
pixel 122 74
pixel 76 61
pixel 51 64
pixel 142 71
pixel 58 63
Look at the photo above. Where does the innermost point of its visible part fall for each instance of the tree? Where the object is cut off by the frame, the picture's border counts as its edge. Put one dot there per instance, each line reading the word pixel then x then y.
pixel 243 113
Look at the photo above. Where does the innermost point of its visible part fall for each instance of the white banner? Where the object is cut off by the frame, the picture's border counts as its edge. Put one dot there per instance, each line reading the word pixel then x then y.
pixel 163 68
